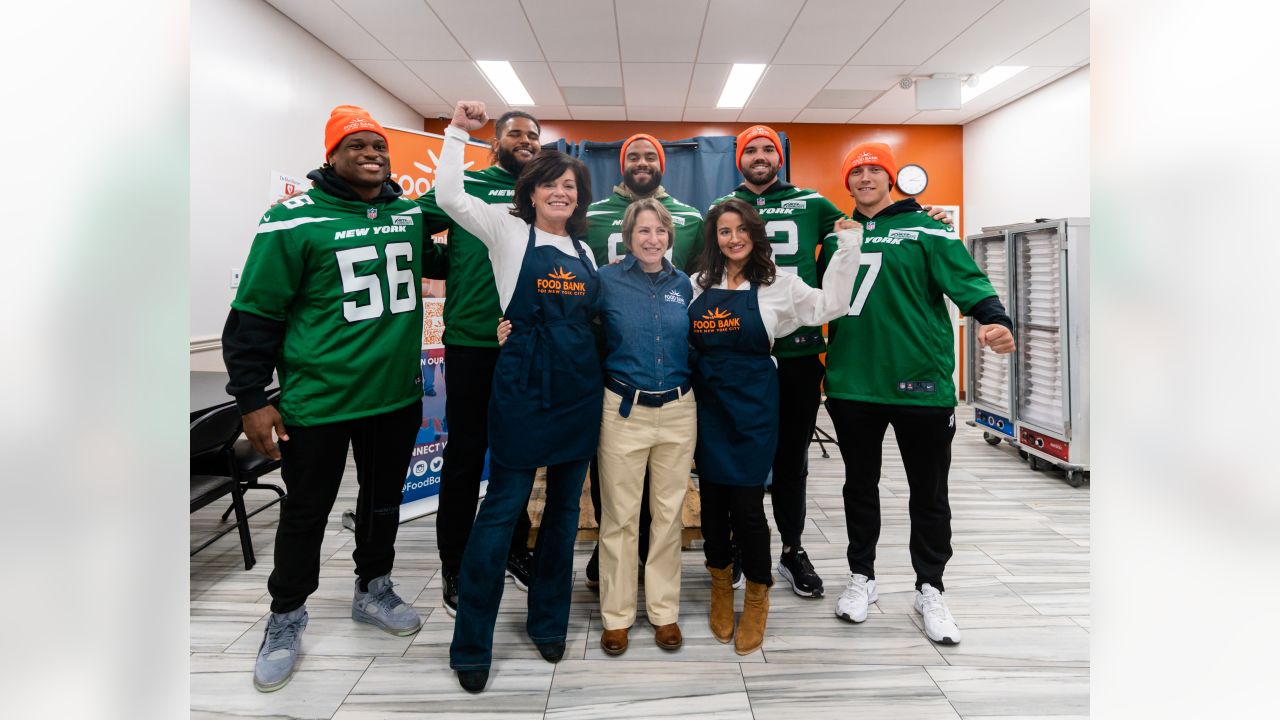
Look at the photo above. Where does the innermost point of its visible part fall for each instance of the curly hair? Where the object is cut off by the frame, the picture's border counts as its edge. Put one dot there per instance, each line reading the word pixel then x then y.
pixel 548 166
pixel 759 267
pixel 632 216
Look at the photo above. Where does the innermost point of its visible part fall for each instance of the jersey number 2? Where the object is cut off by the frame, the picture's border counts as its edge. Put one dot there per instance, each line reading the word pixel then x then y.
pixel 396 279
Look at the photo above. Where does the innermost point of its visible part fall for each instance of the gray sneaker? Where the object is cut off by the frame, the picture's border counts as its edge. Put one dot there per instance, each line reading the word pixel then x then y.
pixel 279 651
pixel 381 606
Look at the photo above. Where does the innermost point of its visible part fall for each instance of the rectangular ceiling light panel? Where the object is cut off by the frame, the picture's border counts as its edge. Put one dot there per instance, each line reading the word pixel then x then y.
pixel 988 80
pixel 504 79
pixel 742 81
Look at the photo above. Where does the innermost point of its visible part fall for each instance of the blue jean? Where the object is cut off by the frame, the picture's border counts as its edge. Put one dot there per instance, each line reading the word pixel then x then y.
pixel 483 575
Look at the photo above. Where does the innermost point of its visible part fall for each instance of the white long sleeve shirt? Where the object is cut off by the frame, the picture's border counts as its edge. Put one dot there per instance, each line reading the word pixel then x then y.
pixel 504 234
pixel 789 303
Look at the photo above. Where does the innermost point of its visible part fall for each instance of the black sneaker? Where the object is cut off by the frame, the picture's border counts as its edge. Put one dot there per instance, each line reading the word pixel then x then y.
pixel 593 568
pixel 450 588
pixel 738 580
pixel 798 571
pixel 519 566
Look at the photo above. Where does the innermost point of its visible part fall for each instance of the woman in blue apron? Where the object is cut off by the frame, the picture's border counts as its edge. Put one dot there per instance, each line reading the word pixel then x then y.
pixel 741 303
pixel 546 396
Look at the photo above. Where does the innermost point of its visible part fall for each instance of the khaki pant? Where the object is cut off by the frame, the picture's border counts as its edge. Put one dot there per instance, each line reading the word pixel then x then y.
pixel 661 439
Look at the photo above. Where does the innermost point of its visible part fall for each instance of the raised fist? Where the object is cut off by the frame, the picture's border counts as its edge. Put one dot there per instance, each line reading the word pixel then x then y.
pixel 469 115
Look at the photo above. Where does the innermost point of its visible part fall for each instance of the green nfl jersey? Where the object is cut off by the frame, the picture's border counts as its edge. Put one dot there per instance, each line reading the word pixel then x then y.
pixel 344 277
pixel 895 345
pixel 797 221
pixel 604 234
pixel 471 308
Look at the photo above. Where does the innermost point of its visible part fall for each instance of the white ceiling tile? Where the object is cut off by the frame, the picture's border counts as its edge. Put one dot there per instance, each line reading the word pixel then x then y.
pixel 1066 46
pixel 918 29
pixel 1008 28
pixel 656 84
pixel 868 77
pixel 827 32
pixel 882 117
pixel 660 29
pixel 711 114
pixel 896 99
pixel 580 112
pixel 818 115
pixel 490 29
pixel 557 112
pixel 655 114
pixel 455 81
pixel 790 85
pixel 707 84
pixel 574 95
pixel 768 115
pixel 1019 85
pixel 746 31
pixel 540 83
pixel 433 111
pixel 407 28
pixel 588 74
pixel 399 81
pixel 573 29
pixel 333 27
pixel 844 99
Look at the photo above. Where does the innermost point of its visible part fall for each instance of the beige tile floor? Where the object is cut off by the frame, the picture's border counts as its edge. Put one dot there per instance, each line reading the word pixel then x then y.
pixel 1018 586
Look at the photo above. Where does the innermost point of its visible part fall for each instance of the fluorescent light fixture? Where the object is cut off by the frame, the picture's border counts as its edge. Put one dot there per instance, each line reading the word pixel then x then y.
pixel 503 78
pixel 742 80
pixel 988 80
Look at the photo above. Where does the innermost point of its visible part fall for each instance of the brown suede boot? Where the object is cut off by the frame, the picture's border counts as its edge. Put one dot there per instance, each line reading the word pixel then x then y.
pixel 755 610
pixel 722 603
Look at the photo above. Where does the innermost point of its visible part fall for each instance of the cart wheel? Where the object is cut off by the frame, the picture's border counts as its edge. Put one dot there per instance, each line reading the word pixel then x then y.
pixel 1023 454
pixel 1075 478
pixel 992 440
pixel 1036 463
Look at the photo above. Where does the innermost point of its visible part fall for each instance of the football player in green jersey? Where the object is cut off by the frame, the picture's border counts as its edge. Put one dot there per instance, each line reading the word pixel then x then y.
pixel 890 362
pixel 471 312
pixel 643 162
pixel 329 300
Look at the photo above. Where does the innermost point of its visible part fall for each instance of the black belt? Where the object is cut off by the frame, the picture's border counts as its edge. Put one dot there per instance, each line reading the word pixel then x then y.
pixel 631 395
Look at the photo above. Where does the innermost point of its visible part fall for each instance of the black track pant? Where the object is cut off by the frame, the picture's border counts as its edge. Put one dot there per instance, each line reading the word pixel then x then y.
pixel 799 394
pixel 314 459
pixel 468 381
pixel 924 438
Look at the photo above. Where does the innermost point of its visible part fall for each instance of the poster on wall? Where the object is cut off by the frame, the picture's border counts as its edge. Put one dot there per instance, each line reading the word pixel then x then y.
pixel 282 185
pixel 413 161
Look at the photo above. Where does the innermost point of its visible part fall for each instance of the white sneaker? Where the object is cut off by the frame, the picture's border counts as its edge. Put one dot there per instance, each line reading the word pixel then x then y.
pixel 938 623
pixel 858 594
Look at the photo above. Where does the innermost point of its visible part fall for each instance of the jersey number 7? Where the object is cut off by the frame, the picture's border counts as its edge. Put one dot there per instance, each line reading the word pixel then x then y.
pixel 872 261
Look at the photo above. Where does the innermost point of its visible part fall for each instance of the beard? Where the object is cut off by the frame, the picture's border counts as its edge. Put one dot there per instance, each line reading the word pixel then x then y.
pixel 642 189
pixel 508 161
pixel 766 180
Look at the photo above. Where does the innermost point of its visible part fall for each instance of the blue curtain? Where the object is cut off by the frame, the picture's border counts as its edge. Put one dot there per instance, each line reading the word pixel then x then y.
pixel 698 170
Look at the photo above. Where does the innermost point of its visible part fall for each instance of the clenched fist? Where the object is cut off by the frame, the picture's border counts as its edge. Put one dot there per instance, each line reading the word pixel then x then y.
pixel 469 115
pixel 996 337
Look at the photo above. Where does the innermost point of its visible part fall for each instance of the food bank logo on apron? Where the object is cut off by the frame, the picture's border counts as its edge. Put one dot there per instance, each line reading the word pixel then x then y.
pixel 717 321
pixel 561 282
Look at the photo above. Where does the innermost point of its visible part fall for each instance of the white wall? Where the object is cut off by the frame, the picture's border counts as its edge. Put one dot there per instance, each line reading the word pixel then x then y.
pixel 261 91
pixel 1030 158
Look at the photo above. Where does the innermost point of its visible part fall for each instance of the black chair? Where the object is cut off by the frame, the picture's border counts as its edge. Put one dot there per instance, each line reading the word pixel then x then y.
pixel 246 465
pixel 215 433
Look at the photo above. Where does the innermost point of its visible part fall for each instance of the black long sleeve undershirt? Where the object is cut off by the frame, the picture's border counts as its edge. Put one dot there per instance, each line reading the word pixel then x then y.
pixel 990 311
pixel 250 345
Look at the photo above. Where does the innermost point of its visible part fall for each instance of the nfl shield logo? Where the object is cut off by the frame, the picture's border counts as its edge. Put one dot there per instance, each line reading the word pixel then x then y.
pixel 759 201
pixel 371 213
pixel 871 225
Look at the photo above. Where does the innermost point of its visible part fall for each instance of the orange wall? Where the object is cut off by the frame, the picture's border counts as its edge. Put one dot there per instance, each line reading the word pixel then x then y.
pixel 816 149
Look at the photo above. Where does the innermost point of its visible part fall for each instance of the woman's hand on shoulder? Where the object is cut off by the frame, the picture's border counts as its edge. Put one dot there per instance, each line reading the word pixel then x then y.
pixel 848 231
pixel 504 331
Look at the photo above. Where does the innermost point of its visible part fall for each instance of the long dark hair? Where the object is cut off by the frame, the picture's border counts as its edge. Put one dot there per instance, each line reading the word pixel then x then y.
pixel 759 267
pixel 548 166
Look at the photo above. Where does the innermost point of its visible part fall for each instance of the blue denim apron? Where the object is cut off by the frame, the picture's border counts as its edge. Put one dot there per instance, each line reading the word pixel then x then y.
pixel 544 408
pixel 736 384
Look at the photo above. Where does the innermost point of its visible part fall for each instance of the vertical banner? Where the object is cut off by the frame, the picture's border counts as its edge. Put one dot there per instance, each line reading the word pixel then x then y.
pixel 413 164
